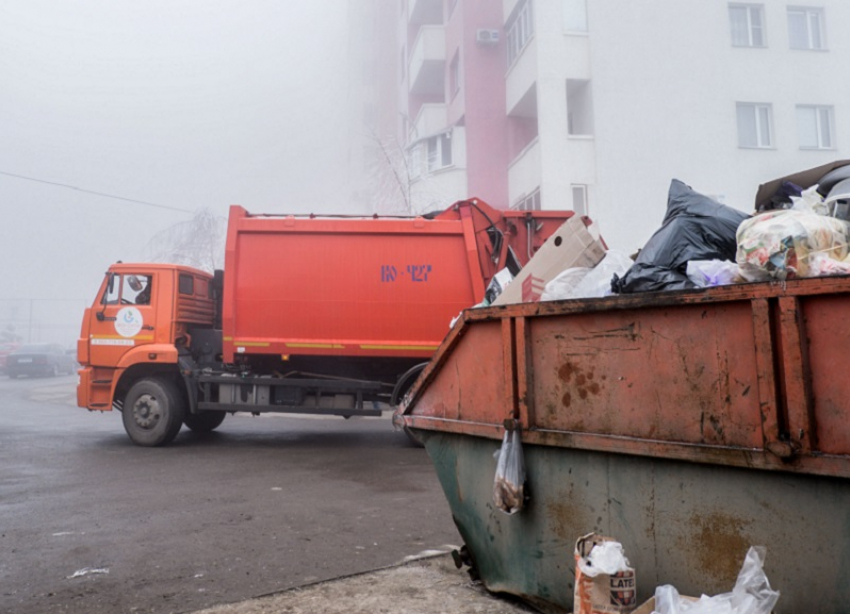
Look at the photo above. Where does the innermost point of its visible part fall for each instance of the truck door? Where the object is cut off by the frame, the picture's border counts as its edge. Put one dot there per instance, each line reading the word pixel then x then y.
pixel 123 317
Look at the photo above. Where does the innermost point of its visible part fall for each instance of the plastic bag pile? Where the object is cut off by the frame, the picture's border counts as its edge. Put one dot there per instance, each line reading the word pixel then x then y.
pixel 796 233
pixel 751 595
pixel 695 228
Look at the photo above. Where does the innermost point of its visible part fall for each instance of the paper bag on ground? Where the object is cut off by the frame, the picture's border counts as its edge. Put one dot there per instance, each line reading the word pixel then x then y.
pixel 605 584
pixel 573 245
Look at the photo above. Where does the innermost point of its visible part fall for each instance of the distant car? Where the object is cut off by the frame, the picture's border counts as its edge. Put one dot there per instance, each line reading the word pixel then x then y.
pixel 5 350
pixel 39 359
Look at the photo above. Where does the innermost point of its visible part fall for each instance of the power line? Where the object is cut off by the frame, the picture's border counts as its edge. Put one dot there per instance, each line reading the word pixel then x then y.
pixel 73 187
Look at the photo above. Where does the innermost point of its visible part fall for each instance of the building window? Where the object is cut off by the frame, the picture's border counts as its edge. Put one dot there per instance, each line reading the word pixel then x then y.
pixel 575 15
pixel 747 22
pixel 579 108
pixel 529 203
pixel 431 154
pixel 805 28
pixel 519 30
pixel 439 151
pixel 579 199
pixel 815 127
pixel 755 125
pixel 454 76
pixel 414 162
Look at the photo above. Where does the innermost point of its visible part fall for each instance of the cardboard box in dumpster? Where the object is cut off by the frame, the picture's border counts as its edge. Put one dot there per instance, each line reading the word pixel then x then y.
pixel 573 245
pixel 602 594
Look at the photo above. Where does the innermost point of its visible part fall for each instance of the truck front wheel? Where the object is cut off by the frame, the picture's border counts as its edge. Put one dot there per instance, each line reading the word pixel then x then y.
pixel 205 422
pixel 153 412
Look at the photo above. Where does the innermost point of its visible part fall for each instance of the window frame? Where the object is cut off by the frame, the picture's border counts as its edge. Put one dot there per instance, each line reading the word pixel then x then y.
pixel 750 8
pixel 529 202
pixel 580 188
pixel 759 128
pixel 808 12
pixel 819 110
pixel 438 145
pixel 519 31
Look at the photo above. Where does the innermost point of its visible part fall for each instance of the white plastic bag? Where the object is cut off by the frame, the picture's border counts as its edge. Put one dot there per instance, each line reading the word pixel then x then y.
pixel 582 282
pixel 509 485
pixel 708 273
pixel 810 200
pixel 751 595
pixel 607 558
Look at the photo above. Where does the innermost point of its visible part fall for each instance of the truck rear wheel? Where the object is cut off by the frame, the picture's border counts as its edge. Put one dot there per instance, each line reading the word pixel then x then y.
pixel 153 412
pixel 205 422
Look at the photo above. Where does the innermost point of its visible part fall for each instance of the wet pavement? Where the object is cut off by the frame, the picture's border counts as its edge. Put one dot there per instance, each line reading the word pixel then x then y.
pixel 91 524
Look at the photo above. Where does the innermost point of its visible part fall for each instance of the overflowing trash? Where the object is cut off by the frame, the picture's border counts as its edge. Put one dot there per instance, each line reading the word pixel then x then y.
pixel 710 273
pixel 587 282
pixel 801 228
pixel 695 227
pixel 786 244
pixel 751 594
pixel 509 488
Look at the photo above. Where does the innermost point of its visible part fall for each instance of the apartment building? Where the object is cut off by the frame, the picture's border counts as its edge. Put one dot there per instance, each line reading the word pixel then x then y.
pixel 595 105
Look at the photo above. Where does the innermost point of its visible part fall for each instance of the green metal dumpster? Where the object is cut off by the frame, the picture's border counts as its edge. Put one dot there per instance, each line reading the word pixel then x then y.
pixel 686 425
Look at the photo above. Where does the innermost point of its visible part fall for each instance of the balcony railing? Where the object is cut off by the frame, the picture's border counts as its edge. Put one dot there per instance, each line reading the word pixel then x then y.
pixel 524 172
pixel 432 118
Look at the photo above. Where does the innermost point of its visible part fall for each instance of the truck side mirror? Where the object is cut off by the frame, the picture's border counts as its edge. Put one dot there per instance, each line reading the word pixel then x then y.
pixel 99 316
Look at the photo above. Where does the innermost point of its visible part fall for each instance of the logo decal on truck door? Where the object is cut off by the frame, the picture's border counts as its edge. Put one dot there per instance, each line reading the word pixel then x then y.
pixel 128 322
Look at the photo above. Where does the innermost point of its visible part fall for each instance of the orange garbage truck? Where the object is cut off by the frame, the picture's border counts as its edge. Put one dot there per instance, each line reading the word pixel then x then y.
pixel 332 315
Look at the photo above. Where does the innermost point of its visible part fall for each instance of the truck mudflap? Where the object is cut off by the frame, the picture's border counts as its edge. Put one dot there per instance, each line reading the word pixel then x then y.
pixel 687 425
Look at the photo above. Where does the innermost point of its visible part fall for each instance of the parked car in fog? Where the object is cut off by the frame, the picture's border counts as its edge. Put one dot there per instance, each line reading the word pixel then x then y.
pixel 5 350
pixel 39 359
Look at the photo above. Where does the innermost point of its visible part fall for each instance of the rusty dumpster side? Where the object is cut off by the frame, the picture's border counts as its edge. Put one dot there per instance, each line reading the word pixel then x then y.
pixel 688 425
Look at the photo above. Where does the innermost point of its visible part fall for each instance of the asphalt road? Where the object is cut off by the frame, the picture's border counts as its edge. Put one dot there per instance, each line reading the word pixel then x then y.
pixel 90 523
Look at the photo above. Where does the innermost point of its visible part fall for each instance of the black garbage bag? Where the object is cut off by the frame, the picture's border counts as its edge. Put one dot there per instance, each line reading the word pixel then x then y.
pixel 695 227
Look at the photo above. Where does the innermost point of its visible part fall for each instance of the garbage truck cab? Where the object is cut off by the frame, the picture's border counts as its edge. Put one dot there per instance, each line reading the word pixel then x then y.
pixel 134 330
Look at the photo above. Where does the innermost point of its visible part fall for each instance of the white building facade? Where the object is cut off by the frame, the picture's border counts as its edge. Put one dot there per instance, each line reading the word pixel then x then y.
pixel 603 102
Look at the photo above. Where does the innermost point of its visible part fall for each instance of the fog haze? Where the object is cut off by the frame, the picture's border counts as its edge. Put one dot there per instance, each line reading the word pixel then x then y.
pixel 187 105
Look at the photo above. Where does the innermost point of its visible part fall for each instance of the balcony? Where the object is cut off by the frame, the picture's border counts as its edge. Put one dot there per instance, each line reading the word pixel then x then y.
pixel 521 78
pixel 432 118
pixel 425 12
pixel 524 173
pixel 427 66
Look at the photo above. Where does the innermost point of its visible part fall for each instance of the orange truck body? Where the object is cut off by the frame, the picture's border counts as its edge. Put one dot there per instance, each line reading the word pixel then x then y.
pixel 311 314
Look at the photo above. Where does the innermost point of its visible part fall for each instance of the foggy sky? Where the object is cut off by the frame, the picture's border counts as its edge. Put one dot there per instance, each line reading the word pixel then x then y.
pixel 197 103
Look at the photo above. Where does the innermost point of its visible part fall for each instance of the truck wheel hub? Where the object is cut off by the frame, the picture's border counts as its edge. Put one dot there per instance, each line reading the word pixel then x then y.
pixel 146 411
